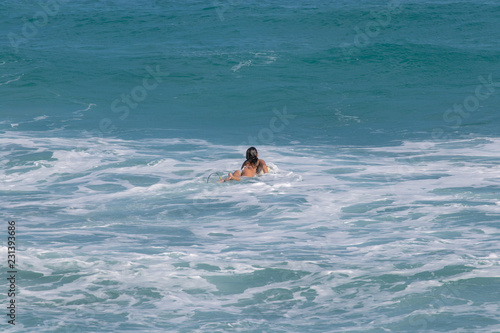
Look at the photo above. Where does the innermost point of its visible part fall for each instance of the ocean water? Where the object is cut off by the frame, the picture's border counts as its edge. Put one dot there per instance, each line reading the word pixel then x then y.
pixel 380 121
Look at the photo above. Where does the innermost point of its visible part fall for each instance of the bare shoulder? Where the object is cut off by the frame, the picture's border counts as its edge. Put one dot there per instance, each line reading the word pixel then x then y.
pixel 263 164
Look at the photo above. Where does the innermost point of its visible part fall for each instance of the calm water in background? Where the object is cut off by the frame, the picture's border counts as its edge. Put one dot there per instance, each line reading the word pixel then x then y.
pixel 380 120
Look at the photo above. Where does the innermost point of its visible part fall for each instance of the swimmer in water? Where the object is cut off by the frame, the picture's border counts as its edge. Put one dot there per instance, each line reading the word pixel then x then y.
pixel 251 167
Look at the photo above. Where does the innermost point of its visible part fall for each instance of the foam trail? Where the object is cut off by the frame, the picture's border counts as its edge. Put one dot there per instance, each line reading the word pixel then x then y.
pixel 13 80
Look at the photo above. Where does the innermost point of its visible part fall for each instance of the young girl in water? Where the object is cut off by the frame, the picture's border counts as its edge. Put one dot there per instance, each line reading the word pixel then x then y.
pixel 251 167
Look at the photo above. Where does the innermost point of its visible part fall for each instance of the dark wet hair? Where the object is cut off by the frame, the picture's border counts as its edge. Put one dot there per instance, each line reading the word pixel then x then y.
pixel 251 157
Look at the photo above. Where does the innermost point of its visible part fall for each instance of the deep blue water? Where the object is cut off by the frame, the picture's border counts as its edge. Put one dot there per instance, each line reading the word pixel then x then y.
pixel 379 119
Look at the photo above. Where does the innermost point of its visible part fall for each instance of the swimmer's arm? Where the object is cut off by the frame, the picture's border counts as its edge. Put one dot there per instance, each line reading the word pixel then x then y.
pixel 264 166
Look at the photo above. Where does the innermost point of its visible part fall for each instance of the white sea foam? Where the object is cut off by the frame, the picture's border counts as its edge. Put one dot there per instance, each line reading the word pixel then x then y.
pixel 235 68
pixel 40 118
pixel 332 230
pixel 12 80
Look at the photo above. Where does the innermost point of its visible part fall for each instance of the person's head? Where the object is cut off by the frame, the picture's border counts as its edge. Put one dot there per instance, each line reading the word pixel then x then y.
pixel 252 154
pixel 252 157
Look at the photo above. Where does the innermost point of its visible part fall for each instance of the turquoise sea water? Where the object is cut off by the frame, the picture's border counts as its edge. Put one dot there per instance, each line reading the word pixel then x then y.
pixel 379 119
